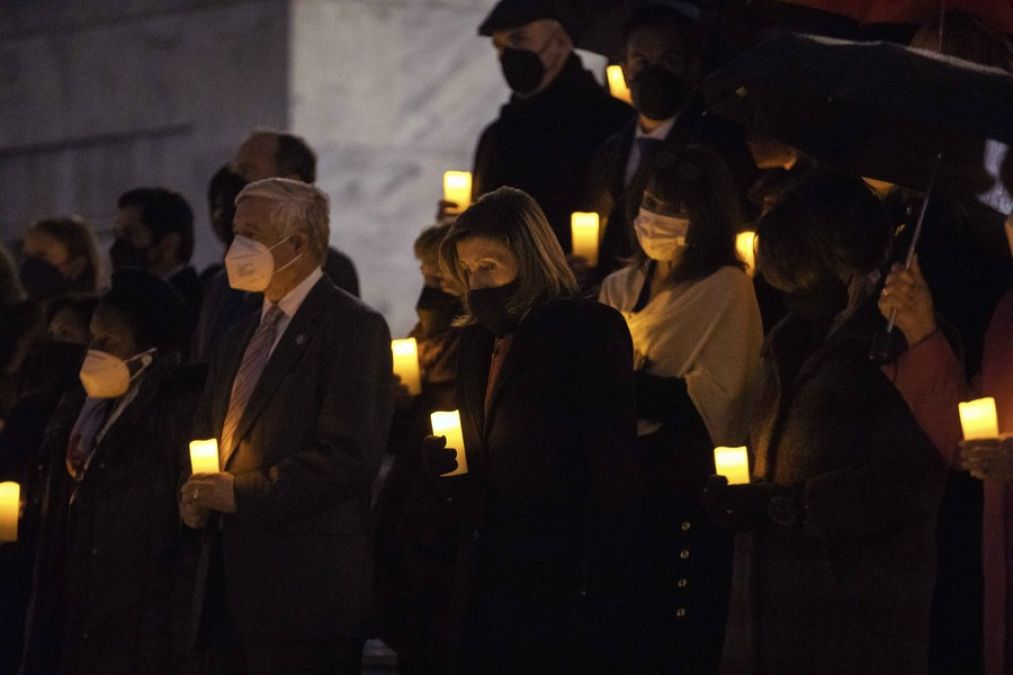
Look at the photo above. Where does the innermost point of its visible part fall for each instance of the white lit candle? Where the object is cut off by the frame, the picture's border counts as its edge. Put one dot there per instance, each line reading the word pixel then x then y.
pixel 584 232
pixel 406 364
pixel 733 464
pixel 745 245
pixel 457 189
pixel 204 456
pixel 10 508
pixel 617 84
pixel 448 423
pixel 978 419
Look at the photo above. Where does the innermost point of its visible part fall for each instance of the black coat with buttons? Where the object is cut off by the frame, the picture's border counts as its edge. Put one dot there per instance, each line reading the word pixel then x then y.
pixel 109 543
pixel 544 576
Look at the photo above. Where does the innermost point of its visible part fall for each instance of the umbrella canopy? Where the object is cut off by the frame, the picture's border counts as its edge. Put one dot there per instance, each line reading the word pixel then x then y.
pixel 997 13
pixel 873 109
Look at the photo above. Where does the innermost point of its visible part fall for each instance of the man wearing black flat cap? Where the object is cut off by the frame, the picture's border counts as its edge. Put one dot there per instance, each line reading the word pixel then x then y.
pixel 558 114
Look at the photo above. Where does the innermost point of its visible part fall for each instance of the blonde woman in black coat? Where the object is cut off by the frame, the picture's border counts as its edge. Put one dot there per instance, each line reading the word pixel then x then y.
pixel 545 388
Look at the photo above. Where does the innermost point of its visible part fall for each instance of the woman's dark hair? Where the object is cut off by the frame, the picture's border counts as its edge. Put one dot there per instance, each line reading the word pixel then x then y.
pixel 829 226
pixel 696 182
pixel 77 235
pixel 80 305
pixel 163 212
pixel 223 189
pixel 513 217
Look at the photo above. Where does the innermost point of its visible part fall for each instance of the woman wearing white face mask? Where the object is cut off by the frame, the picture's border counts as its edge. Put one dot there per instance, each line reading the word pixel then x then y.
pixel 108 523
pixel 696 331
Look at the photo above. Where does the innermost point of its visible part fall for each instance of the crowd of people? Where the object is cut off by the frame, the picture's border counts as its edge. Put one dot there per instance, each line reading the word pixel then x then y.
pixel 580 525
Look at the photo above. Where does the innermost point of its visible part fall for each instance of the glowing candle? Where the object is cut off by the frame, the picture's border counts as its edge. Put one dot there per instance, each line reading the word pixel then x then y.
pixel 978 419
pixel 457 189
pixel 406 364
pixel 448 423
pixel 745 245
pixel 584 232
pixel 10 508
pixel 733 464
pixel 204 456
pixel 617 84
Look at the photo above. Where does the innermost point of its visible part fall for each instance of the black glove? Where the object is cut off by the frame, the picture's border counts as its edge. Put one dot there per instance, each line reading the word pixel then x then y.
pixel 660 398
pixel 752 506
pixel 437 458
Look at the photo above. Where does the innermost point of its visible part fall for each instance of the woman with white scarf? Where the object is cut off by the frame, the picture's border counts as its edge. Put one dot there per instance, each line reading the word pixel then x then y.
pixel 697 334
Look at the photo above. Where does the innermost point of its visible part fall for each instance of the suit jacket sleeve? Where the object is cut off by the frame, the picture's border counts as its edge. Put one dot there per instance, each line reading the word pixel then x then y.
pixel 352 425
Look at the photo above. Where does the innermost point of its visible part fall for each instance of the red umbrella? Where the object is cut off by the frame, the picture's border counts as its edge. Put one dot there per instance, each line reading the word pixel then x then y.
pixel 997 13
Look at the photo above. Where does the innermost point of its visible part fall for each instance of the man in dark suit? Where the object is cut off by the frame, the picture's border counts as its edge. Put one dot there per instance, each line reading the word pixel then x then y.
pixel 154 231
pixel 300 400
pixel 664 63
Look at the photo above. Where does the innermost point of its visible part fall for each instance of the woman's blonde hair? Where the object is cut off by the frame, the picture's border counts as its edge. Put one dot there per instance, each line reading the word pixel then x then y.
pixel 511 216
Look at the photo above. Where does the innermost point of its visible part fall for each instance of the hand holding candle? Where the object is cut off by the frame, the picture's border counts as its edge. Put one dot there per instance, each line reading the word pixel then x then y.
pixel 10 511
pixel 584 229
pixel 448 424
pixel 204 456
pixel 406 364
pixel 733 464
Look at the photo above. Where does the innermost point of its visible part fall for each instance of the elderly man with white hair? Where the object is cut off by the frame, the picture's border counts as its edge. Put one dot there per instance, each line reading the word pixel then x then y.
pixel 299 397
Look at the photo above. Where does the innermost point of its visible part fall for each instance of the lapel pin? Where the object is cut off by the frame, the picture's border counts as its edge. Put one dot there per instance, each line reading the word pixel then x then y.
pixel 300 339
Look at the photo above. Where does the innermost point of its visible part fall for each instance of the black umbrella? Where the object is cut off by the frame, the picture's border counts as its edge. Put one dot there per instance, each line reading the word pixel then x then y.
pixel 873 109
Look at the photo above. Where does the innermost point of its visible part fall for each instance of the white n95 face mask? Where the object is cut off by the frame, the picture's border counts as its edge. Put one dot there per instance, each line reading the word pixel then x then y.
pixel 660 236
pixel 250 265
pixel 106 376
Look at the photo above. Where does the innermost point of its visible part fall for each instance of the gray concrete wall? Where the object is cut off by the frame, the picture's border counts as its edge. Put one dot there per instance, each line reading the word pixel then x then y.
pixel 100 96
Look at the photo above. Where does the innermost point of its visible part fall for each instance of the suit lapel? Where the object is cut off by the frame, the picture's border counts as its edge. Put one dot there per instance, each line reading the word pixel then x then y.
pixel 288 352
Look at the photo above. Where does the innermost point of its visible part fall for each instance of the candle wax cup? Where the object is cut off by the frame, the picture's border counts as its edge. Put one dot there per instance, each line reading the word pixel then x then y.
pixel 448 423
pixel 10 510
pixel 457 189
pixel 584 231
pixel 406 364
pixel 733 464
pixel 978 419
pixel 204 456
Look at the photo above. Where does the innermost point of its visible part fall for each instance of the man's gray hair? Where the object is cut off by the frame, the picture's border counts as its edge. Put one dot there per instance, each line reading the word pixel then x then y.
pixel 296 206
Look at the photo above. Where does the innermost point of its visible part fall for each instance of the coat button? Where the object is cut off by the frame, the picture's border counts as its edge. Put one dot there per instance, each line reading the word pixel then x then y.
pixel 681 612
pixel 474 536
pixel 686 525
pixel 682 583
pixel 94 551
pixel 684 554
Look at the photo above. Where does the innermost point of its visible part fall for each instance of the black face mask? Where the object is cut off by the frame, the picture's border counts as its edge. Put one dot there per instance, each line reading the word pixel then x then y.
pixel 658 93
pixel 489 307
pixel 436 310
pixel 41 280
pixel 124 254
pixel 819 305
pixel 523 69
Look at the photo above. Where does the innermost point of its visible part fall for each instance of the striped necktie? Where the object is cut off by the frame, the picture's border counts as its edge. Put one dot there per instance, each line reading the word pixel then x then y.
pixel 254 359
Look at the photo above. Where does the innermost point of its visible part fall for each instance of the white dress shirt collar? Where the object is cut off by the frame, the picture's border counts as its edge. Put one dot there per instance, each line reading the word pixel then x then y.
pixel 659 133
pixel 293 300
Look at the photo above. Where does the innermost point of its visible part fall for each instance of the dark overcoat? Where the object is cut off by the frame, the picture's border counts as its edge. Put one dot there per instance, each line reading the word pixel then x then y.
pixel 543 144
pixel 544 573
pixel 850 592
pixel 109 543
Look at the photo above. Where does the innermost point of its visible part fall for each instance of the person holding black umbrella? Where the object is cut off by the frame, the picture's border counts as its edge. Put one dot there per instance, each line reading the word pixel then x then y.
pixel 557 115
pixel 835 565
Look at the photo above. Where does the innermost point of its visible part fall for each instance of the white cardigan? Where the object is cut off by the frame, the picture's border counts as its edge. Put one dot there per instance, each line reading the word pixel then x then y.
pixel 707 332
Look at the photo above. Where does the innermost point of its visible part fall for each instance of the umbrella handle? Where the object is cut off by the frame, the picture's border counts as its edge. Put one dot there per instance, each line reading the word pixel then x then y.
pixel 881 344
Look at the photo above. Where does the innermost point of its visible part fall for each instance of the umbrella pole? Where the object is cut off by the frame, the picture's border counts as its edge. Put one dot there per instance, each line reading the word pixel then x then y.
pixel 881 345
